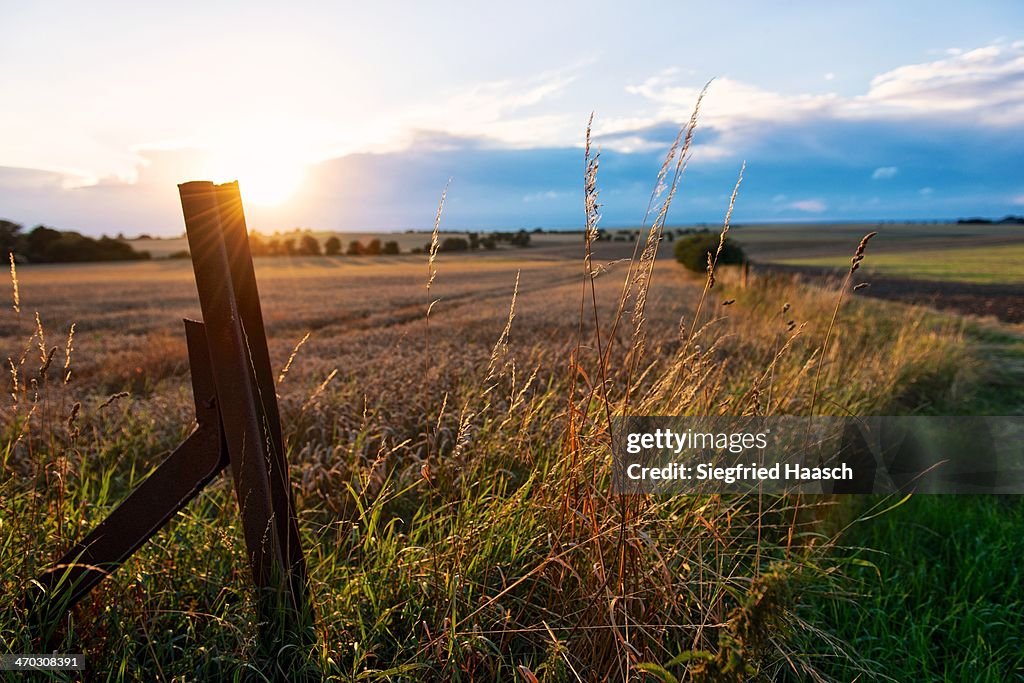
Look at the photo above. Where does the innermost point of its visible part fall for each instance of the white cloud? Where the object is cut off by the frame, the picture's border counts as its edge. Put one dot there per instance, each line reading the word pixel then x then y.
pixel 547 196
pixel 809 205
pixel 729 103
pixel 926 191
pixel 885 172
pixel 986 83
pixel 1018 200
pixel 829 76
pixel 505 112
pixel 984 86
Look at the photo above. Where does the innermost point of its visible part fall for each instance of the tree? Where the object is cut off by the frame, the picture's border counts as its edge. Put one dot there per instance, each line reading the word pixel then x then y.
pixel 453 244
pixel 309 246
pixel 390 248
pixel 332 247
pixel 692 251
pixel 288 246
pixel 355 248
pixel 489 243
pixel 257 245
pixel 46 245
pixel 10 237
pixel 37 243
pixel 373 248
pixel 520 239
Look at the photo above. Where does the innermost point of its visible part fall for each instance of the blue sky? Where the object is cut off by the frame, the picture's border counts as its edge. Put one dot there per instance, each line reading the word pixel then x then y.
pixel 353 116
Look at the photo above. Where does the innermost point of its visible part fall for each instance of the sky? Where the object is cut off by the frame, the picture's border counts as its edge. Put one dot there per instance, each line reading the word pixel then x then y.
pixel 353 116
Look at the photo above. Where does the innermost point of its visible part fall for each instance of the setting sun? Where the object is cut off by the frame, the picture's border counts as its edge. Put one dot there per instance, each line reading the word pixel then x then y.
pixel 267 175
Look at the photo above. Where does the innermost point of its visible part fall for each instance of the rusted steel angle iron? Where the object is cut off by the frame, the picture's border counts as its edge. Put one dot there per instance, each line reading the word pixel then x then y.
pixel 237 423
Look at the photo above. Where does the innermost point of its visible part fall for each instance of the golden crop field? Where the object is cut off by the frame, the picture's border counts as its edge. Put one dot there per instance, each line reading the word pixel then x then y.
pixel 449 467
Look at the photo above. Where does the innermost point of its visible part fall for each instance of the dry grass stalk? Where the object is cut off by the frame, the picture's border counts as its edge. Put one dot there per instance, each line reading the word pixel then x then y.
pixel 638 276
pixel 72 417
pixel 45 366
pixel 291 359
pixel 42 339
pixel 319 390
pixel 590 192
pixel 858 256
pixel 501 346
pixel 713 261
pixel 434 243
pixel 14 381
pixel 68 348
pixel 113 398
pixel 14 285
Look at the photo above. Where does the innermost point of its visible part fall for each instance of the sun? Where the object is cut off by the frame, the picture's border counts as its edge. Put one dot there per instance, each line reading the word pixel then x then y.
pixel 266 176
pixel 269 185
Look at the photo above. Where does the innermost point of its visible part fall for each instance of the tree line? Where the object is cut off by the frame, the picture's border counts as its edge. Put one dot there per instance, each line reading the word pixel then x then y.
pixel 43 244
pixel 308 245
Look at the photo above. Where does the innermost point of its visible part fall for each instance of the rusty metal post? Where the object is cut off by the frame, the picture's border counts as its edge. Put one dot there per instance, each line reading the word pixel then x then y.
pixel 238 422
pixel 243 276
pixel 218 241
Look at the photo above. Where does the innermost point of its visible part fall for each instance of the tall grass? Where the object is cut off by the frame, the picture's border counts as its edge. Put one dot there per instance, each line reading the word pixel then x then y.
pixel 455 495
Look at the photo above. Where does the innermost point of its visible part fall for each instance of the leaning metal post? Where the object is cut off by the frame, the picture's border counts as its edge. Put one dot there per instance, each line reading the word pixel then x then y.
pixel 237 422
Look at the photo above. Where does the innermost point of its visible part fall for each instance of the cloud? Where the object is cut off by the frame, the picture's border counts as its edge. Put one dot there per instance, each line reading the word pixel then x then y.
pixel 504 112
pixel 545 196
pixel 514 157
pixel 984 86
pixel 986 83
pixel 809 205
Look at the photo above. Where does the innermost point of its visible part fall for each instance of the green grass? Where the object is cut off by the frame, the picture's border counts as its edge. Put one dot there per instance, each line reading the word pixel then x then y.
pixel 939 594
pixel 1002 264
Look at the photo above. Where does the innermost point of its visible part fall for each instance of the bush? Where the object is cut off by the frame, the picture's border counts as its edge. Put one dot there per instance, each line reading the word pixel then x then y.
pixel 355 248
pixel 332 247
pixel 692 251
pixel 390 248
pixel 454 244
pixel 373 248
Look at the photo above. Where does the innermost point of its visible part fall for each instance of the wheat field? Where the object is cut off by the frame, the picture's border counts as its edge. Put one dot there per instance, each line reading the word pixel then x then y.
pixel 449 453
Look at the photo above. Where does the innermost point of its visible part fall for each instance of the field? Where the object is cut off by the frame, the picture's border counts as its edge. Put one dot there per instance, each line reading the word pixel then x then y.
pixel 968 268
pixel 984 265
pixel 452 473
pixel 821 241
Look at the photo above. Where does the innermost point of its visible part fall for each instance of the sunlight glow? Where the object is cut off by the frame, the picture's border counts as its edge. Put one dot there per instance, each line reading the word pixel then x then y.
pixel 268 174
